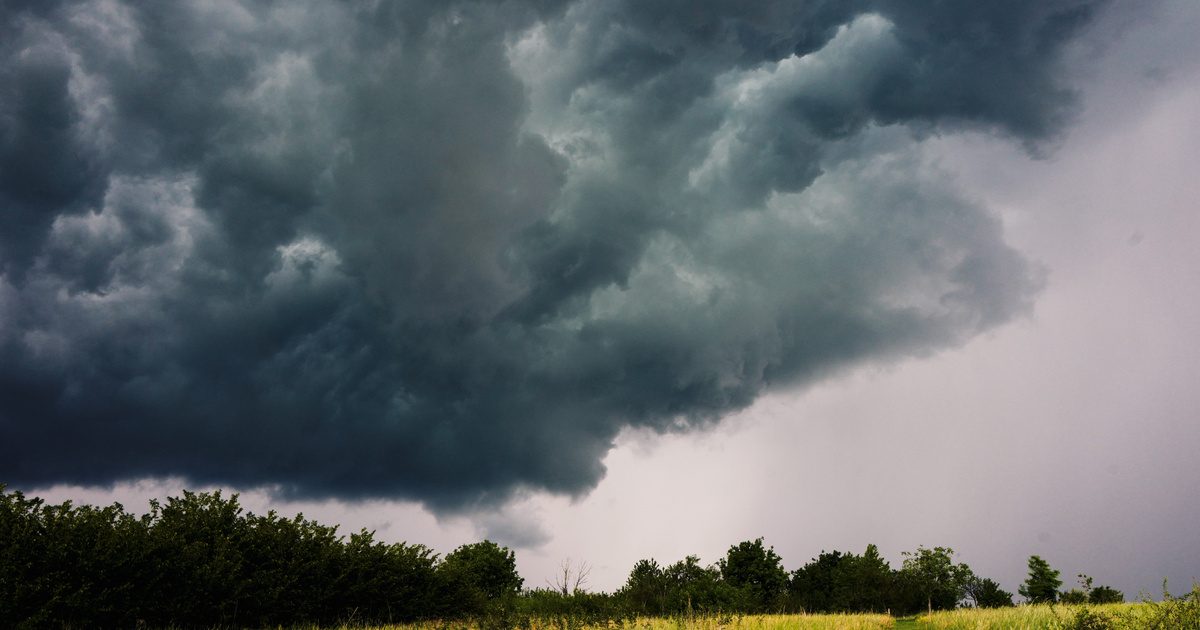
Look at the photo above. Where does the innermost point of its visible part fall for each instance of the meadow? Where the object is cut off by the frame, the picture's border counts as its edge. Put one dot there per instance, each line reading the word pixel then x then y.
pixel 1172 613
pixel 694 622
pixel 1182 613
pixel 1115 616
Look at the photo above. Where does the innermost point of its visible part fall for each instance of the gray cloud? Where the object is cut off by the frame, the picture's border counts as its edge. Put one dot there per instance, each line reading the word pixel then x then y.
pixel 445 251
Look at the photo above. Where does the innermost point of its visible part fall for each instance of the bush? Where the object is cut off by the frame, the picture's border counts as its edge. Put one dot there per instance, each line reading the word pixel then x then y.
pixel 986 593
pixel 1073 596
pixel 1106 595
pixel 1176 612
pixel 1087 619
pixel 474 575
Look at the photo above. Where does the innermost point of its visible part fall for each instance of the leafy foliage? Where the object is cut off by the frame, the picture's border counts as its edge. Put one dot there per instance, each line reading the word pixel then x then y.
pixel 1042 584
pixel 757 573
pixel 986 593
pixel 479 573
pixel 837 582
pixel 933 573
pixel 1106 595
pixel 201 561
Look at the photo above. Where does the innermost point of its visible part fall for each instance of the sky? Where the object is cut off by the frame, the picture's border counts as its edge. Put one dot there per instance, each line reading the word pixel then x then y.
pixel 617 280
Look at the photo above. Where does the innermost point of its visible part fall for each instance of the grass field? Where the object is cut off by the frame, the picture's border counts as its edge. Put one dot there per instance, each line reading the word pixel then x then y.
pixel 1171 615
pixel 733 622
pixel 1115 616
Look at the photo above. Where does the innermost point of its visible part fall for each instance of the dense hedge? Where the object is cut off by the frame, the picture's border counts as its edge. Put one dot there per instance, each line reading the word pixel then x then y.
pixel 201 560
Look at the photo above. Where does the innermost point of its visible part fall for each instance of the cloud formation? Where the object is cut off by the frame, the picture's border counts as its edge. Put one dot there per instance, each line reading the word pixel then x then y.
pixel 446 251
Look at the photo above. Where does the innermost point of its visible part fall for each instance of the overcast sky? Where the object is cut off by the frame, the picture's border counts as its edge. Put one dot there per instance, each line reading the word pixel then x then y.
pixel 616 280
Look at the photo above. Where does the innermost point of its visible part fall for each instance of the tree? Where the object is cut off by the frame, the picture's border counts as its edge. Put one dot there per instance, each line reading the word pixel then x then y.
pixel 1041 586
pixel 570 579
pixel 486 567
pixel 756 571
pixel 1097 595
pixel 933 573
pixel 692 587
pixel 865 583
pixel 986 593
pixel 1106 595
pixel 1077 595
pixel 1073 596
pixel 812 587
pixel 646 589
pixel 837 582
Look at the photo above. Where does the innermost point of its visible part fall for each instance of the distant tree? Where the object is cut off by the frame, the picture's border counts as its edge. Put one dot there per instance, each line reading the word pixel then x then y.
pixel 474 576
pixel 986 593
pixel 692 587
pixel 1041 586
pixel 646 590
pixel 837 582
pixel 1087 594
pixel 1078 595
pixel 757 572
pixel 1106 595
pixel 932 572
pixel 486 567
pixel 1073 596
pixel 812 586
pixel 866 582
pixel 571 578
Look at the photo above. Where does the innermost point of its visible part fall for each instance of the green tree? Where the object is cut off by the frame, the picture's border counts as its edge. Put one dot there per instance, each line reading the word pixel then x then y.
pixel 645 591
pixel 837 582
pixel 692 587
pixel 932 573
pixel 1073 596
pixel 485 567
pixel 1042 584
pixel 865 583
pixel 812 586
pixel 1106 595
pixel 1088 594
pixel 757 572
pixel 986 593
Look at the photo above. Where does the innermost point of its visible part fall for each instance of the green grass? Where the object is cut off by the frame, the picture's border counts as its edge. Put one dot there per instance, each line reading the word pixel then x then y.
pixel 715 622
pixel 1173 613
pixel 1139 616
pixel 1018 618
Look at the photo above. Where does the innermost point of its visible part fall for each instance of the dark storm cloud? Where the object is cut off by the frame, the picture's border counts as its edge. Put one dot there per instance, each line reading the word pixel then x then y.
pixel 447 250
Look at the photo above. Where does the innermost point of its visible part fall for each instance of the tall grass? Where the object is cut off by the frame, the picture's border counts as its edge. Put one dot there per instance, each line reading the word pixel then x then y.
pixel 1172 613
pixel 1039 617
pixel 705 622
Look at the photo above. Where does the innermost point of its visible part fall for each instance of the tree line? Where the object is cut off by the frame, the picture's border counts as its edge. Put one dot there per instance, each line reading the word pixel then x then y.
pixel 201 560
pixel 751 578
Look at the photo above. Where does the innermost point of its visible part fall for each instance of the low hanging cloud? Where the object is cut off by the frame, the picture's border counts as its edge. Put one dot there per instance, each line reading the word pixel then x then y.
pixel 447 251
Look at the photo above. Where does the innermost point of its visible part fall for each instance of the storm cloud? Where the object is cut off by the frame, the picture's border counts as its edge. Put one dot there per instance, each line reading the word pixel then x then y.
pixel 449 250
